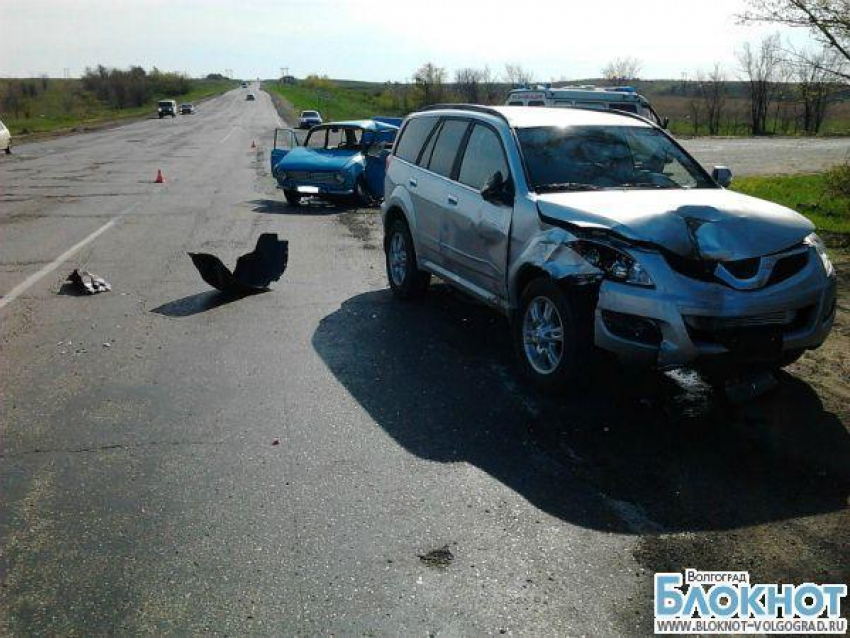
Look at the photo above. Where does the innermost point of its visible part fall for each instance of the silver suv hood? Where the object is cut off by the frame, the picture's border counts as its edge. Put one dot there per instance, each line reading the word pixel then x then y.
pixel 701 223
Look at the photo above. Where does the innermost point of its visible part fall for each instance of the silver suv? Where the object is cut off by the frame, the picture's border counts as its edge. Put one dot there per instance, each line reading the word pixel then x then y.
pixel 597 229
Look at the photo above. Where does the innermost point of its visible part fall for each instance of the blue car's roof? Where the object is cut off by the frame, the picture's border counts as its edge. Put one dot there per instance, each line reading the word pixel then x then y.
pixel 369 125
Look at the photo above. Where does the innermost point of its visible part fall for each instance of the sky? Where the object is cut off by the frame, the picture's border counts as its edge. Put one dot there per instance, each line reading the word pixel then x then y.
pixel 375 40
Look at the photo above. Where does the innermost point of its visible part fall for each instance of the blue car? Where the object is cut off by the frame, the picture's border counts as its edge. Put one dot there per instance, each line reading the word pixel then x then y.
pixel 338 161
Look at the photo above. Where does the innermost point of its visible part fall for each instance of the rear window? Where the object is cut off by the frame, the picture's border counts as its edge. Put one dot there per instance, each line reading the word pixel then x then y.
pixel 445 150
pixel 628 108
pixel 536 103
pixel 413 137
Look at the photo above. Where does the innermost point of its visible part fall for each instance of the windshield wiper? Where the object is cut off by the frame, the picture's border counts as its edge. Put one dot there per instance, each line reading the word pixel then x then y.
pixel 641 185
pixel 566 186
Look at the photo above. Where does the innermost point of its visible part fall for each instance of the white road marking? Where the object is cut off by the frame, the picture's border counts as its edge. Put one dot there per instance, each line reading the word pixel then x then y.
pixel 224 139
pixel 53 265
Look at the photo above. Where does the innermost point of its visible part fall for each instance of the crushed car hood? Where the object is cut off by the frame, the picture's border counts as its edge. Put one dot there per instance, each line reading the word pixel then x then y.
pixel 701 223
pixel 311 159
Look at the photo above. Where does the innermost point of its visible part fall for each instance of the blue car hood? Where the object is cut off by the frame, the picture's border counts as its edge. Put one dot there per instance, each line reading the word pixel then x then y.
pixel 313 159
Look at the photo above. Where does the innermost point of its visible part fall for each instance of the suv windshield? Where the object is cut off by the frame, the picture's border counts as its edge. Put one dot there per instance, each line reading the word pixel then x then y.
pixel 309 114
pixel 600 157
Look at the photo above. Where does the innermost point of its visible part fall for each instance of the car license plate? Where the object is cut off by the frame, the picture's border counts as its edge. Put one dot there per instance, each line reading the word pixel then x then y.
pixel 313 190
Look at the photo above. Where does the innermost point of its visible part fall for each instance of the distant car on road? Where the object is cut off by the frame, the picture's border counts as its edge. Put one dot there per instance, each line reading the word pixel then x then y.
pixel 166 107
pixel 244 85
pixel 187 109
pixel 338 161
pixel 5 139
pixel 250 97
pixel 309 119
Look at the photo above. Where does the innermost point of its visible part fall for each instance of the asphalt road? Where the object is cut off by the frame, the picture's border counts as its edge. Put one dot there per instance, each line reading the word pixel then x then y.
pixel 770 156
pixel 173 462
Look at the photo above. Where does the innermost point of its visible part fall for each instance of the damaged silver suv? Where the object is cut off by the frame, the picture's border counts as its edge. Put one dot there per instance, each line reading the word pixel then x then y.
pixel 593 228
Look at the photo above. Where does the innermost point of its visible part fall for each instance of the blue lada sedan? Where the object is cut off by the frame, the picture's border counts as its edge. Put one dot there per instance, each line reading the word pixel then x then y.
pixel 338 161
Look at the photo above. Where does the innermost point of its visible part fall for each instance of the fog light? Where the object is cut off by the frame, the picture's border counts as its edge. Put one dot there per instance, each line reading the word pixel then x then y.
pixel 632 327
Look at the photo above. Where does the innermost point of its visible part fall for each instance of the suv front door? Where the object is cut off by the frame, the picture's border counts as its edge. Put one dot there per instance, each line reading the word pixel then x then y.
pixel 476 231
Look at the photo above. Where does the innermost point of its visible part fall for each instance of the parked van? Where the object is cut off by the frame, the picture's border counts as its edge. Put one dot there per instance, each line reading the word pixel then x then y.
pixel 617 98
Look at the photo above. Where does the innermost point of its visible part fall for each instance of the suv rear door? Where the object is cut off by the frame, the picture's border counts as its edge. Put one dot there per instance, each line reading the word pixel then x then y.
pixel 476 231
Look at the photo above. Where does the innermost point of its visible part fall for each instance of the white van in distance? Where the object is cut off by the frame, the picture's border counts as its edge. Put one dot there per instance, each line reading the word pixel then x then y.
pixel 616 98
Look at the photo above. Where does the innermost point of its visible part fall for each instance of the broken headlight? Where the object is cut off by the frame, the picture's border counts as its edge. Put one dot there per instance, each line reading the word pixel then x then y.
pixel 614 263
pixel 817 243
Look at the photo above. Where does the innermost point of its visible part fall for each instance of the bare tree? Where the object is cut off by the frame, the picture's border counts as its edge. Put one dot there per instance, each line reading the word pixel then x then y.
pixel 515 75
pixel 829 20
pixel 815 75
pixel 491 92
pixel 622 69
pixel 430 83
pixel 468 84
pixel 714 93
pixel 760 66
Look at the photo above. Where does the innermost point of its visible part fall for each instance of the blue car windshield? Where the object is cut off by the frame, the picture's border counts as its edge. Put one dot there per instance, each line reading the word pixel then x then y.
pixel 335 137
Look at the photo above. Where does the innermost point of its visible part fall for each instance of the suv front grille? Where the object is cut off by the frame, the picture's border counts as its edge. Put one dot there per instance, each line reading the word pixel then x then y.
pixel 717 329
pixel 704 270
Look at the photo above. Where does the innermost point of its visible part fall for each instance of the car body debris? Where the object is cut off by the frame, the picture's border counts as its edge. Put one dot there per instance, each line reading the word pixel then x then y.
pixel 88 283
pixel 254 271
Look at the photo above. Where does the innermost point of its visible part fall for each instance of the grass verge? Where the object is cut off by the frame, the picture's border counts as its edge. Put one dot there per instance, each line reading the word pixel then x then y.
pixel 334 103
pixel 807 194
pixel 64 106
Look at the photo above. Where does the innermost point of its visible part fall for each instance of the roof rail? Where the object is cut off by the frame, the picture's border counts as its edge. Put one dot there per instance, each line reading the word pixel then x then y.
pixel 478 108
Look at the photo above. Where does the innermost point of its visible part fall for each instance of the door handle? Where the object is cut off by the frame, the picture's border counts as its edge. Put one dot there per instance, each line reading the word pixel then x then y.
pixel 412 182
pixel 452 200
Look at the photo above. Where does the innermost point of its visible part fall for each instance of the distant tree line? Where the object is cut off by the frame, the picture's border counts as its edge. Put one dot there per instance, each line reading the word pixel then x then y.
pixel 133 87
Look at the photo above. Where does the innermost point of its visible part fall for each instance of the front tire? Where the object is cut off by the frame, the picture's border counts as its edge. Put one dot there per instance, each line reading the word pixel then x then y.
pixel 406 280
pixel 553 352
pixel 8 150
pixel 292 198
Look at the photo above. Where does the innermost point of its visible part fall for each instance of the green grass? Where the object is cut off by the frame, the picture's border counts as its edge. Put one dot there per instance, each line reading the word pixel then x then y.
pixel 64 105
pixel 336 102
pixel 807 194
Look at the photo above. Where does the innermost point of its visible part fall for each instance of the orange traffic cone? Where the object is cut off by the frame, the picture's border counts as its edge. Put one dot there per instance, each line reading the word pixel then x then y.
pixel 253 145
pixel 159 178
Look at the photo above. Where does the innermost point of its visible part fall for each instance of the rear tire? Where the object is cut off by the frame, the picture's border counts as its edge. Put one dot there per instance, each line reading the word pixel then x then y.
pixel 292 198
pixel 8 150
pixel 553 350
pixel 406 280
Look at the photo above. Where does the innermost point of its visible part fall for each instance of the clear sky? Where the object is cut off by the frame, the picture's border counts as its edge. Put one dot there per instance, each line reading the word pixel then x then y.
pixel 371 40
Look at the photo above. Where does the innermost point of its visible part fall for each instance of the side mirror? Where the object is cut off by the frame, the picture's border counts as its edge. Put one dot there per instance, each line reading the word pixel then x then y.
pixel 665 123
pixel 722 175
pixel 498 190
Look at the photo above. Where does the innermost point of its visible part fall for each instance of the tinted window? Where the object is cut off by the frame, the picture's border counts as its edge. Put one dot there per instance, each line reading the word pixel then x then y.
pixel 448 143
pixel 425 157
pixel 413 137
pixel 483 157
pixel 628 108
pixel 536 103
pixel 514 103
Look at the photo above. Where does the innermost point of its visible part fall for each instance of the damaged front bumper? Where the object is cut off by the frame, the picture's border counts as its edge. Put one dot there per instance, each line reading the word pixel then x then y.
pixel 685 321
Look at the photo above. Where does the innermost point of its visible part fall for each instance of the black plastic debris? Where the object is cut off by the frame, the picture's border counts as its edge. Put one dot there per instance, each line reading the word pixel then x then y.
pixel 254 271
pixel 88 283
pixel 438 558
